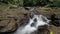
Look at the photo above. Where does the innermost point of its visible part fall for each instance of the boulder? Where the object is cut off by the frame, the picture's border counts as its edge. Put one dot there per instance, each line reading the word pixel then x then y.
pixel 8 25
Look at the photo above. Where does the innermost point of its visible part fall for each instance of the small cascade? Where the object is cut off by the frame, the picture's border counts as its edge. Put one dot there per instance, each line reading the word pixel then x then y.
pixel 34 23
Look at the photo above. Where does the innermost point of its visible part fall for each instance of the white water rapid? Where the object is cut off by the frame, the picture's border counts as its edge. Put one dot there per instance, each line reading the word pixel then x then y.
pixel 33 25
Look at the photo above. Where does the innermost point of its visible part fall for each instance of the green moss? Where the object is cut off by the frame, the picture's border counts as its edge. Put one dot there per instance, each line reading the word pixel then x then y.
pixel 3 7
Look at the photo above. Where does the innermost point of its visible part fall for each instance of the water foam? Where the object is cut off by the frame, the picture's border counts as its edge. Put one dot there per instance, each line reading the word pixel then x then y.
pixel 28 29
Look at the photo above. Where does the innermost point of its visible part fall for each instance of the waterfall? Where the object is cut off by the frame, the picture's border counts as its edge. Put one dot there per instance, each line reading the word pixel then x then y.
pixel 37 20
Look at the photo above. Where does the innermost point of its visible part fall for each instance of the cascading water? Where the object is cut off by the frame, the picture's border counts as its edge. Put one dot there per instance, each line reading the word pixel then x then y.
pixel 37 20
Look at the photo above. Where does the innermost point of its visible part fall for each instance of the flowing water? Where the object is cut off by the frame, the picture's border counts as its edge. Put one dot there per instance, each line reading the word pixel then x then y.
pixel 37 20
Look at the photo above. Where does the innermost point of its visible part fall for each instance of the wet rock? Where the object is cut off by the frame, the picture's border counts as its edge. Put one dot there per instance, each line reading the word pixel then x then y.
pixel 8 25
pixel 42 30
pixel 4 23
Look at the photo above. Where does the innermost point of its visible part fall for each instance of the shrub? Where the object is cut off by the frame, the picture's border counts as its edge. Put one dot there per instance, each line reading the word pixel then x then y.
pixel 35 2
pixel 13 2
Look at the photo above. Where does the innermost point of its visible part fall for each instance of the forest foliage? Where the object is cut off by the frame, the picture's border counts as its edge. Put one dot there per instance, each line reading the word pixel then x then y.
pixel 55 3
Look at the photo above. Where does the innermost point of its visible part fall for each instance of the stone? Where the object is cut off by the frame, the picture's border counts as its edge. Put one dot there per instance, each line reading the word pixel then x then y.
pixel 8 25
